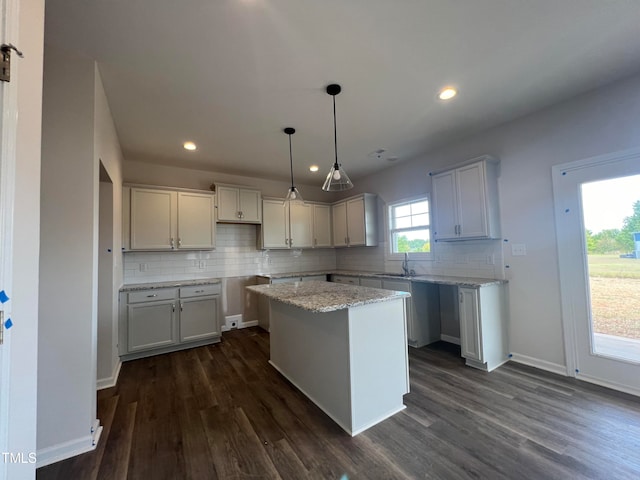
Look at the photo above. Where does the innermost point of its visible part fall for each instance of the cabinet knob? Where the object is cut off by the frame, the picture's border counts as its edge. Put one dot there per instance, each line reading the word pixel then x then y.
pixel 151 296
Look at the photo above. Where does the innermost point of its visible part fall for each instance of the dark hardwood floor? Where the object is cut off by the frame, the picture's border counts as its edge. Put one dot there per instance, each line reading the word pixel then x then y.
pixel 223 412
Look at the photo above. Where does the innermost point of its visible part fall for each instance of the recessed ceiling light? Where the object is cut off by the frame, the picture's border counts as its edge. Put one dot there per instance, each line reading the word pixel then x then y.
pixel 313 168
pixel 189 146
pixel 447 93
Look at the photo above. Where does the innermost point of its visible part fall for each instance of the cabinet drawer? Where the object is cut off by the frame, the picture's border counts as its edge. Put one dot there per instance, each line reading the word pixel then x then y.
pixel 200 290
pixel 151 295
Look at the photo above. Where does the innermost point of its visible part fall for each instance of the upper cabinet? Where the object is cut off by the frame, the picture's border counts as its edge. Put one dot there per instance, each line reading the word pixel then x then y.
pixel 286 226
pixel 321 225
pixel 162 219
pixel 465 201
pixel 196 221
pixel 238 204
pixel 355 221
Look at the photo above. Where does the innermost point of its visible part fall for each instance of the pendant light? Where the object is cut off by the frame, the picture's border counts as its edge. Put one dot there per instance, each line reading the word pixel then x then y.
pixel 293 195
pixel 337 179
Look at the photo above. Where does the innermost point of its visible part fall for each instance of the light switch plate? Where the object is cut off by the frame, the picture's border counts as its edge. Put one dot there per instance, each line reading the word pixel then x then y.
pixel 518 249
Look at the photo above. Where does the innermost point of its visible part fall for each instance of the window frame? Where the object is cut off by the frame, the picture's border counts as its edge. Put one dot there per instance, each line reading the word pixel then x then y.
pixel 390 254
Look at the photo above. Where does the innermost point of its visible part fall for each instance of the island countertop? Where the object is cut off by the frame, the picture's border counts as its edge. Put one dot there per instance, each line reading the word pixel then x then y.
pixel 321 297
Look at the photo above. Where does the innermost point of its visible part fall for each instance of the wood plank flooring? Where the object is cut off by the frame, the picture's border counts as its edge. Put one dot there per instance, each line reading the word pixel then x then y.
pixel 222 412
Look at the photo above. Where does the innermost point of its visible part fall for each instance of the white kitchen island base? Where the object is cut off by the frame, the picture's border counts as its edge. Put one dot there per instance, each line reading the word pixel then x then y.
pixel 352 363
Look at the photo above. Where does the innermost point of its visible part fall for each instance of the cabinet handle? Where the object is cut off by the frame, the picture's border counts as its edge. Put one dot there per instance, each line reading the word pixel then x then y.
pixel 291 242
pixel 179 242
pixel 171 242
pixel 181 306
pixel 286 241
pixel 199 291
pixel 151 296
pixel 173 307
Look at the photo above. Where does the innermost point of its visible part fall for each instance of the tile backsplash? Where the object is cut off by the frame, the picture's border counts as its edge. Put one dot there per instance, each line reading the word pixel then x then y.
pixel 481 258
pixel 236 256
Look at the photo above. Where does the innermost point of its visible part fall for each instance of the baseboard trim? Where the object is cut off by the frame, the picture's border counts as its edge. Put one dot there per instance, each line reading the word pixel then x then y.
pixel 111 381
pixel 250 323
pixel 541 364
pixel 65 450
pixel 608 384
pixel 450 339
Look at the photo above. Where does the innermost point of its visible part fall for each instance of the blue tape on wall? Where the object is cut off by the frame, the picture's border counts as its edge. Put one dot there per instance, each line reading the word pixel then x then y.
pixel 8 324
pixel 3 297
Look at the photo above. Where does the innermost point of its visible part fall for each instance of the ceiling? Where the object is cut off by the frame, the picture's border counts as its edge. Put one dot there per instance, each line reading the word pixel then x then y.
pixel 229 75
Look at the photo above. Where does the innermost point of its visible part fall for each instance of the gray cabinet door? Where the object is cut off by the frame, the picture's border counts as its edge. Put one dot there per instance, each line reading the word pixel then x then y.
pixel 198 318
pixel 150 325
pixel 470 328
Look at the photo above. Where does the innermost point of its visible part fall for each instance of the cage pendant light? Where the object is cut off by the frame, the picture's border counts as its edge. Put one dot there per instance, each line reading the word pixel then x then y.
pixel 337 179
pixel 293 195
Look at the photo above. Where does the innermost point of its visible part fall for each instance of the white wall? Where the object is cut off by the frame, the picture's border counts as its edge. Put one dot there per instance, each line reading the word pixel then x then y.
pixel 68 258
pixel 599 122
pixel 24 335
pixel 107 151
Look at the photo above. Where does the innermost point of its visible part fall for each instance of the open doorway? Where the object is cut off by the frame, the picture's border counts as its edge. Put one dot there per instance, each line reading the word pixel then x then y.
pixel 107 313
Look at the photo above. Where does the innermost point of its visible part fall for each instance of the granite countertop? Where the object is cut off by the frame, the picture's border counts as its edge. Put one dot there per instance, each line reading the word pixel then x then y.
pixel 180 283
pixel 320 297
pixel 471 282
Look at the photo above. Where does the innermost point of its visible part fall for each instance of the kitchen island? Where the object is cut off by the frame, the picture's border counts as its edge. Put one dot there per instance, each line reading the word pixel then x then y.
pixel 343 346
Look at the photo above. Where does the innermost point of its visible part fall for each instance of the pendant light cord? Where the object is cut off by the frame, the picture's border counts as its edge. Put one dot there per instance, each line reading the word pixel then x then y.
pixel 335 133
pixel 291 161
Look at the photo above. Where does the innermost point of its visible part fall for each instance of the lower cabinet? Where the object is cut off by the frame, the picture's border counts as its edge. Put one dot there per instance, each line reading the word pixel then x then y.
pixel 150 325
pixel 483 331
pixel 167 319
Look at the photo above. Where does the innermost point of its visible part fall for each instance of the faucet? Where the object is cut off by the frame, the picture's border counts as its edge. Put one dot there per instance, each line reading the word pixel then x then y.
pixel 405 264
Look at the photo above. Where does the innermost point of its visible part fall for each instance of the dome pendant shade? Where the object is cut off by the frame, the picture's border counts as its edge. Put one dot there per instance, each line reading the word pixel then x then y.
pixel 293 195
pixel 337 179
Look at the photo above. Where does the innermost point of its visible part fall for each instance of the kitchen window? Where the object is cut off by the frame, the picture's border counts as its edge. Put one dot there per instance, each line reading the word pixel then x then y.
pixel 410 228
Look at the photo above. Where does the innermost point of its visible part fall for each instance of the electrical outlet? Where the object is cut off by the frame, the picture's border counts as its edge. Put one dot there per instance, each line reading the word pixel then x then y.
pixel 518 249
pixel 202 264
pixel 143 267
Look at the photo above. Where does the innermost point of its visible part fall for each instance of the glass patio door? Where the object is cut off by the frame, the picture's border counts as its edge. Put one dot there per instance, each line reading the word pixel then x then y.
pixel 597 218
pixel 611 216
